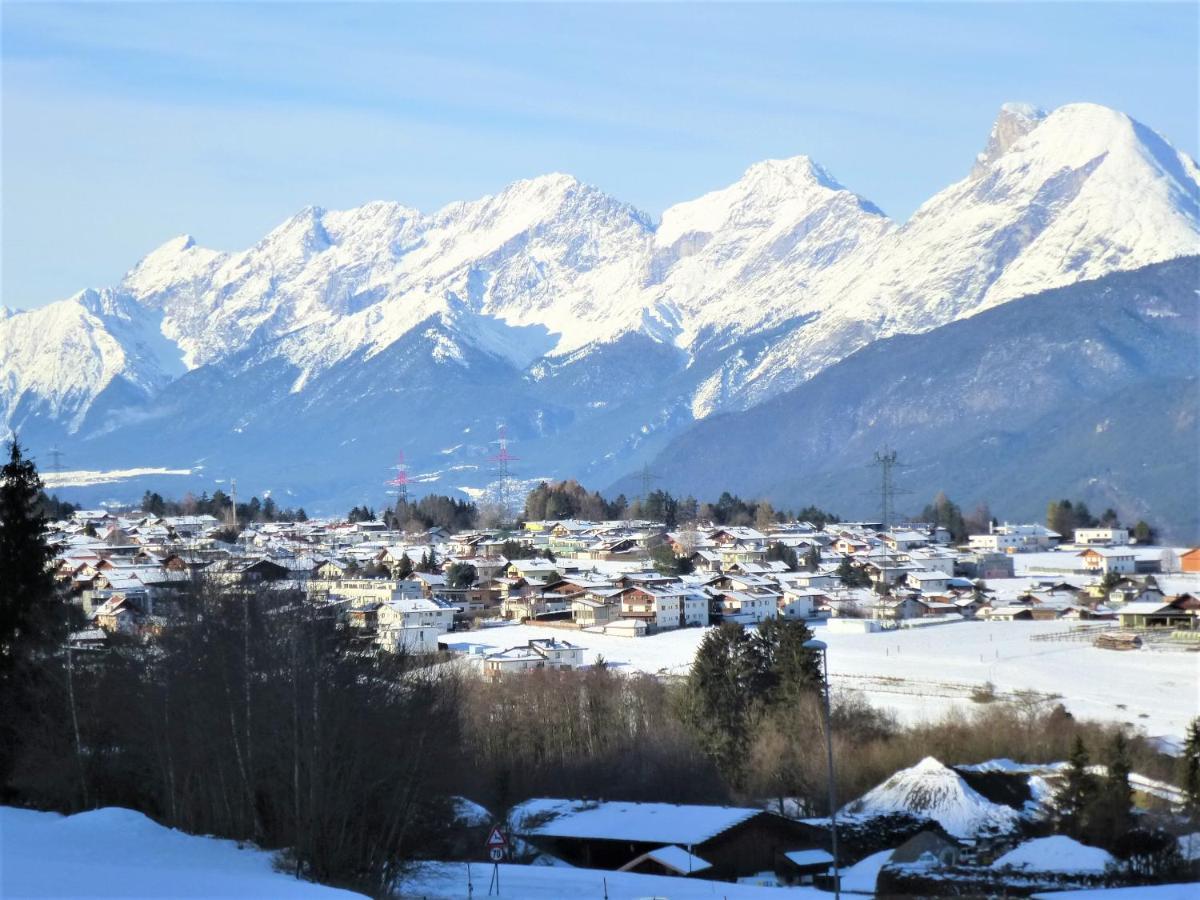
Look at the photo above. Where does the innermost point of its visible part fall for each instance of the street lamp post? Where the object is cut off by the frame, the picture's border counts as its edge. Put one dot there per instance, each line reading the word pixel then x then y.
pixel 823 648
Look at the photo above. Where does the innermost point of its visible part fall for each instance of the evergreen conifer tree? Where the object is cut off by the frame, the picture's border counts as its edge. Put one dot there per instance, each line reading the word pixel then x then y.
pixel 1077 791
pixel 719 697
pixel 1189 779
pixel 33 619
pixel 1111 812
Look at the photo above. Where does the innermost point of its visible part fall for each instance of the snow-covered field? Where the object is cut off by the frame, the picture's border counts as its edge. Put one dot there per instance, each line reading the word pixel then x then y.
pixel 120 853
pixel 448 881
pixel 85 477
pixel 920 673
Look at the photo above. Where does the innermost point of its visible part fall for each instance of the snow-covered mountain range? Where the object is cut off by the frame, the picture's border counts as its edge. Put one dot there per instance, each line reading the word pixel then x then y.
pixel 596 333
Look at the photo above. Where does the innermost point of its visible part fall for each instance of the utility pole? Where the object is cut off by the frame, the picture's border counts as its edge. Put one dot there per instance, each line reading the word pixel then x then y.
pixel 233 501
pixel 821 647
pixel 56 456
pixel 647 477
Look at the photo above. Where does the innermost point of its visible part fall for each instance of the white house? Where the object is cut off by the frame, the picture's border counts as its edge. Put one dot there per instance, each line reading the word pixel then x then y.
pixel 539 653
pixel 801 603
pixel 1102 537
pixel 1008 538
pixel 409 638
pixel 413 613
pixel 929 582
pixel 666 606
pixel 745 607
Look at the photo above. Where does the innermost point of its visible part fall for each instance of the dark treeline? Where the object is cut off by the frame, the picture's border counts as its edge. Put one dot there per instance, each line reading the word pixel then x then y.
pixel 432 511
pixel 1064 517
pixel 53 508
pixel 570 500
pixel 219 506
pixel 253 719
pixel 945 513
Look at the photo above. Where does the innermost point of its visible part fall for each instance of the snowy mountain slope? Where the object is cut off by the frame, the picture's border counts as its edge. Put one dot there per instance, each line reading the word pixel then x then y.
pixel 1045 395
pixel 57 361
pixel 1054 199
pixel 609 333
pixel 543 253
pixel 937 792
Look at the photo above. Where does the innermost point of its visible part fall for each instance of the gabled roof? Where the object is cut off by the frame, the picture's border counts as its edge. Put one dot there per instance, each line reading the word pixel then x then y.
pixel 665 823
pixel 672 857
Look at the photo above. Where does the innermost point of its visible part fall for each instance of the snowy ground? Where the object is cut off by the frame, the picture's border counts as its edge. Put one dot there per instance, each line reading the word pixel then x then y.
pixel 1145 892
pixel 919 673
pixel 448 881
pixel 85 477
pixel 120 853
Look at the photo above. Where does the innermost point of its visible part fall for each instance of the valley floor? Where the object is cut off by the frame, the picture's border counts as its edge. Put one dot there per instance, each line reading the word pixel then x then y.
pixel 920 673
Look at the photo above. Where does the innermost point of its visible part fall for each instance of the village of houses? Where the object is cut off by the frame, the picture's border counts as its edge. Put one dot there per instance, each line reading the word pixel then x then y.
pixel 593 577
pixel 589 590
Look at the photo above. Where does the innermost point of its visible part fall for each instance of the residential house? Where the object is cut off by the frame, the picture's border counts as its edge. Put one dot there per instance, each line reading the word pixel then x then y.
pixel 665 607
pixel 929 582
pixel 1108 561
pixel 539 653
pixel 1102 537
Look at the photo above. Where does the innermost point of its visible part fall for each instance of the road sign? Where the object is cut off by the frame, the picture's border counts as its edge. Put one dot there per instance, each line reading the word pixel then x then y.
pixel 497 854
pixel 497 839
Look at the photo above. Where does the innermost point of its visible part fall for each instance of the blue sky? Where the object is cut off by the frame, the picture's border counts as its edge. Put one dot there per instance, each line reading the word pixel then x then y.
pixel 124 125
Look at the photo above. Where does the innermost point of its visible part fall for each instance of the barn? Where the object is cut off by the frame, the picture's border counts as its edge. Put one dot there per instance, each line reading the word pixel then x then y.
pixel 726 842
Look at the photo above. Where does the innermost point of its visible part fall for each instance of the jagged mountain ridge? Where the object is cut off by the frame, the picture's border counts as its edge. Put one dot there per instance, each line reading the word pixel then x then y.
pixel 1085 391
pixel 731 299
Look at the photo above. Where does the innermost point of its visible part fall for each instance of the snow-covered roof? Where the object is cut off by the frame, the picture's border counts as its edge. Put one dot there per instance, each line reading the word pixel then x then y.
pixel 667 823
pixel 1144 608
pixel 809 857
pixel 1057 853
pixel 676 858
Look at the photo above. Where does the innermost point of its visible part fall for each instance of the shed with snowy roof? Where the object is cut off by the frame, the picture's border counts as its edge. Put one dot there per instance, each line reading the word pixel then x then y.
pixel 731 841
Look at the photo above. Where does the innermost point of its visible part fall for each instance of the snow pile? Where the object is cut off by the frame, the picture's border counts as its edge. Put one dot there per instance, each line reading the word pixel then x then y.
pixel 1057 853
pixel 934 791
pixel 470 813
pixel 861 877
pixel 120 853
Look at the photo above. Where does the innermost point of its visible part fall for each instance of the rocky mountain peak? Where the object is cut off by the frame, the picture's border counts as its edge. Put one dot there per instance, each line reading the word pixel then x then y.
pixel 1014 121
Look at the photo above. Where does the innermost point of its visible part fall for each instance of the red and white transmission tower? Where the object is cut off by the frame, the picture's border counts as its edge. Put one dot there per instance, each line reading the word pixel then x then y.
pixel 400 480
pixel 503 486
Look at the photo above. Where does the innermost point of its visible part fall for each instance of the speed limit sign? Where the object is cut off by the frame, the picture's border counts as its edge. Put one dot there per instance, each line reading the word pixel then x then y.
pixel 497 854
